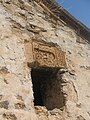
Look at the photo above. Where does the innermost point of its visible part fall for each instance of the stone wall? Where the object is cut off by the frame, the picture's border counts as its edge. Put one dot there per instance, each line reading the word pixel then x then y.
pixel 22 21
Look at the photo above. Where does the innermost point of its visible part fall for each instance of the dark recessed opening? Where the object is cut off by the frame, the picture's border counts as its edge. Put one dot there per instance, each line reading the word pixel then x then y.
pixel 47 88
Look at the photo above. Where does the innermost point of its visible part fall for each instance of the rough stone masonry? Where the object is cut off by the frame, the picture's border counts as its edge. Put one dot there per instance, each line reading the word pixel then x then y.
pixel 44 63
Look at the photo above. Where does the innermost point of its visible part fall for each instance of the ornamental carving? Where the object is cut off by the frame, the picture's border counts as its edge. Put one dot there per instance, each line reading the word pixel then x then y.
pixel 42 54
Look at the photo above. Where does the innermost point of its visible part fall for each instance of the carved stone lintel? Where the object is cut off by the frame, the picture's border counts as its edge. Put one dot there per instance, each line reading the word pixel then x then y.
pixel 39 54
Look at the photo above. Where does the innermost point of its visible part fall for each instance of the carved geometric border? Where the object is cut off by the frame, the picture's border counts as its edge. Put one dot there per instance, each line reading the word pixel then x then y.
pixel 42 54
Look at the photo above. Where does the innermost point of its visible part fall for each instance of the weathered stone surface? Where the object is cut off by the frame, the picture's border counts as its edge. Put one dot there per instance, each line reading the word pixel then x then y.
pixel 9 116
pixel 21 22
pixel 4 104
pixel 42 54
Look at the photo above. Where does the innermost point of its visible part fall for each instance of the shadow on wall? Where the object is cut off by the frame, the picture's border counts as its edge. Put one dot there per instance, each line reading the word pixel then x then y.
pixel 47 88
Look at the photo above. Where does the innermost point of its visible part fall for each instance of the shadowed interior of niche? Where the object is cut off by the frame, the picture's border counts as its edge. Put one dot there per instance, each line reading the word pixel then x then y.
pixel 47 88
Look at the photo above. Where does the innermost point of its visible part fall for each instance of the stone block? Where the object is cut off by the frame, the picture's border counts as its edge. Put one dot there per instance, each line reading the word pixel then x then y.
pixel 42 54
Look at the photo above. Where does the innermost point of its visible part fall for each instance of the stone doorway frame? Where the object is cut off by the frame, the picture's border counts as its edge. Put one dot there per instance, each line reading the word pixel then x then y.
pixel 43 55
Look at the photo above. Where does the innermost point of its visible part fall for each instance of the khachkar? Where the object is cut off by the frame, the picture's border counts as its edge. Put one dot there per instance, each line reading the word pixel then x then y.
pixel 42 54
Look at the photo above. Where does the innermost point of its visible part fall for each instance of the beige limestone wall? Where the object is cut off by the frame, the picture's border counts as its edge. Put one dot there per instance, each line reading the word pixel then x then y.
pixel 23 20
